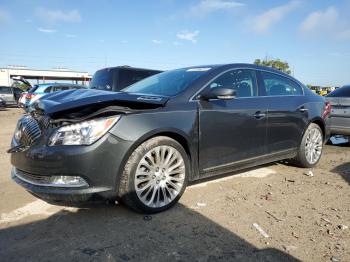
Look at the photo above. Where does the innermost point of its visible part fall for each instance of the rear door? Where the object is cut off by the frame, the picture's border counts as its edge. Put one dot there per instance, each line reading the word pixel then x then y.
pixel 287 110
pixel 234 130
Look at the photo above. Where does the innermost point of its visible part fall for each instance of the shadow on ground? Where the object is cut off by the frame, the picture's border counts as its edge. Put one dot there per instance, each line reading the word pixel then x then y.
pixel 344 171
pixel 110 233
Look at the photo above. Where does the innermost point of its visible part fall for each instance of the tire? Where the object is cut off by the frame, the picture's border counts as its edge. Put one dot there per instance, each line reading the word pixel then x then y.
pixel 151 182
pixel 311 146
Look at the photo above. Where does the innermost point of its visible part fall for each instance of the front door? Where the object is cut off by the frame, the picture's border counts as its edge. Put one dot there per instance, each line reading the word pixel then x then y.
pixel 232 131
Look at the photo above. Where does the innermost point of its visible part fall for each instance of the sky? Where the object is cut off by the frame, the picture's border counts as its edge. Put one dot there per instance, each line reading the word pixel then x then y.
pixel 313 36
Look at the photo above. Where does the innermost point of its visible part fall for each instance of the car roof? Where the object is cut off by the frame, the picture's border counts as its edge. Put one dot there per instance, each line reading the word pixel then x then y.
pixel 239 65
pixel 129 67
pixel 58 84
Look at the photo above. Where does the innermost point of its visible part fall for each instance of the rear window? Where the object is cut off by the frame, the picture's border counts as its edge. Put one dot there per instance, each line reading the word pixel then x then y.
pixel 340 92
pixel 103 79
pixel 5 90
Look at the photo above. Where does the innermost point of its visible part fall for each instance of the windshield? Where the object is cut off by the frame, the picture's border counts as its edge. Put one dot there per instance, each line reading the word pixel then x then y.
pixel 169 83
pixel 102 79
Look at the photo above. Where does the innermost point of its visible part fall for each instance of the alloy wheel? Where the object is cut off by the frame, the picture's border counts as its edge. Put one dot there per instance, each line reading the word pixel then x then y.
pixel 313 145
pixel 160 176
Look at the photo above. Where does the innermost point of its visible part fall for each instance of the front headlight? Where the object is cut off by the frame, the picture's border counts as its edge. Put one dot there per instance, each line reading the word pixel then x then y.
pixel 84 133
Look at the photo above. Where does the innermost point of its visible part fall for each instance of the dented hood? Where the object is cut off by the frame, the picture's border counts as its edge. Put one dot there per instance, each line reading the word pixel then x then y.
pixel 67 100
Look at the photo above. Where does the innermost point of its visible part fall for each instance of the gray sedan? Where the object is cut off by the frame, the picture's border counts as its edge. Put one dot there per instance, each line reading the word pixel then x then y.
pixel 340 114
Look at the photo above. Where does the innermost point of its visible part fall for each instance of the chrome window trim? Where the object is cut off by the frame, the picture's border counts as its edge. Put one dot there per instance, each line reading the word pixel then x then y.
pixel 192 99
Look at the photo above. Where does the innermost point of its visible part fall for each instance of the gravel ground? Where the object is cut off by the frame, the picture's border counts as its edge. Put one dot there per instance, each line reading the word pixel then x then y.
pixel 306 218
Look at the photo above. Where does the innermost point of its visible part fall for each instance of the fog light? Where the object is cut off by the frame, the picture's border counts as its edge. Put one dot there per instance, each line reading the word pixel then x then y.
pixel 70 181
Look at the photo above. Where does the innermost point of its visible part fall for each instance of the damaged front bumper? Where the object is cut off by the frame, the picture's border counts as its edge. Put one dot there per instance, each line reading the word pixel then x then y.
pixel 71 175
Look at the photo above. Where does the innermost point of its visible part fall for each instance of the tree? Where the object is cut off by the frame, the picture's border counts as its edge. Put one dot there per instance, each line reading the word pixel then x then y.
pixel 275 63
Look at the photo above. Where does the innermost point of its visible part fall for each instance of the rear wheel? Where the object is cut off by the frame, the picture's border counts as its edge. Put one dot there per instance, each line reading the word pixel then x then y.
pixel 155 175
pixel 311 147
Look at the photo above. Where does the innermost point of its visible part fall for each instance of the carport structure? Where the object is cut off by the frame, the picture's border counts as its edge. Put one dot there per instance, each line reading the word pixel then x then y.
pixel 41 76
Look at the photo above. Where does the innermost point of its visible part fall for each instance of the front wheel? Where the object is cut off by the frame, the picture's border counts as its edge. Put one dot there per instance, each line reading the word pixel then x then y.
pixel 310 150
pixel 155 175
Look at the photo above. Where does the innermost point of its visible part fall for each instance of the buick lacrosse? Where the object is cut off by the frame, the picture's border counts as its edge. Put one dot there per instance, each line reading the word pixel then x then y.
pixel 143 145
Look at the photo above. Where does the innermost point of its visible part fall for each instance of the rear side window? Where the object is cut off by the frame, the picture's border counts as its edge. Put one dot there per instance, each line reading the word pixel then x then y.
pixel 60 88
pixel 340 92
pixel 128 77
pixel 243 81
pixel 103 79
pixel 276 85
pixel 5 90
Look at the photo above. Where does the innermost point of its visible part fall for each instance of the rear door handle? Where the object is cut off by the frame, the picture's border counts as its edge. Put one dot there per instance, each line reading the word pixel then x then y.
pixel 303 109
pixel 259 115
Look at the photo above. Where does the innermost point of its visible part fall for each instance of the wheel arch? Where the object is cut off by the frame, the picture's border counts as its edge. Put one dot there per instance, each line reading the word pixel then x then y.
pixel 175 134
pixel 320 122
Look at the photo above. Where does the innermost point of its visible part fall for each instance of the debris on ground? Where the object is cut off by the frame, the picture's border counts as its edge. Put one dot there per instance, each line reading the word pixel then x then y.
pixel 289 248
pixel 309 173
pixel 147 218
pixel 343 227
pixel 201 204
pixel 273 216
pixel 261 231
pixel 335 259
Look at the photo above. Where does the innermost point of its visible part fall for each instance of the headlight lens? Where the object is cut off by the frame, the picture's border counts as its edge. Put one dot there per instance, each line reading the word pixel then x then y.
pixel 84 133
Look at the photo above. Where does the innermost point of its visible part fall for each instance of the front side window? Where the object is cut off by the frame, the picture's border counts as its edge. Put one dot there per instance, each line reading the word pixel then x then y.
pixel 276 85
pixel 5 90
pixel 243 81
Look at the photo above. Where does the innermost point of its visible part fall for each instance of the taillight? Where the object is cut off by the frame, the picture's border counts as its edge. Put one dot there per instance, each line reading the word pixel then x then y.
pixel 29 96
pixel 327 110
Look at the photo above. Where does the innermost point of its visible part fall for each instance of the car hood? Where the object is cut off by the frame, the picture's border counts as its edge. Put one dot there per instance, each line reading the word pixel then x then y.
pixel 80 98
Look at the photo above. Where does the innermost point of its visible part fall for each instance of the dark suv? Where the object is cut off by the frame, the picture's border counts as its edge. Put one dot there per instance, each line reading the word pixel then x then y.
pixel 117 78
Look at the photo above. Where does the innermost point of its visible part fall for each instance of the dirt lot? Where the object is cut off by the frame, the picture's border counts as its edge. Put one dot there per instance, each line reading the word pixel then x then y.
pixel 305 217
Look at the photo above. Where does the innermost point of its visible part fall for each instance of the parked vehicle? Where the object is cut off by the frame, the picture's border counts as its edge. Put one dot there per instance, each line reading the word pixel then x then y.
pixel 2 102
pixel 145 144
pixel 10 94
pixel 117 78
pixel 340 114
pixel 38 91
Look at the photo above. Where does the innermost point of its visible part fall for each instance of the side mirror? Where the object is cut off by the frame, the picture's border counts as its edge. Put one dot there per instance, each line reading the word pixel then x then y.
pixel 218 93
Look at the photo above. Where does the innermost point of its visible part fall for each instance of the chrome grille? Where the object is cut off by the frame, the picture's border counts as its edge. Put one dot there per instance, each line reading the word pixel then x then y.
pixel 27 131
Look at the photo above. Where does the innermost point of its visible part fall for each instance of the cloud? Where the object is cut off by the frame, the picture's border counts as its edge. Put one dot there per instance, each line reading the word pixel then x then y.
pixel 262 23
pixel 58 15
pixel 5 16
pixel 326 22
pixel 46 30
pixel 157 42
pixel 205 7
pixel 188 35
pixel 320 19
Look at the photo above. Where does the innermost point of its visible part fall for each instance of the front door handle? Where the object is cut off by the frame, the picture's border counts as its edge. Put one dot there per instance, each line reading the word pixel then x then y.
pixel 259 115
pixel 303 109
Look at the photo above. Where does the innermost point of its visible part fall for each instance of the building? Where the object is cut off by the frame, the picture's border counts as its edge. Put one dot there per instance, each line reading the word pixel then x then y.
pixel 37 76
